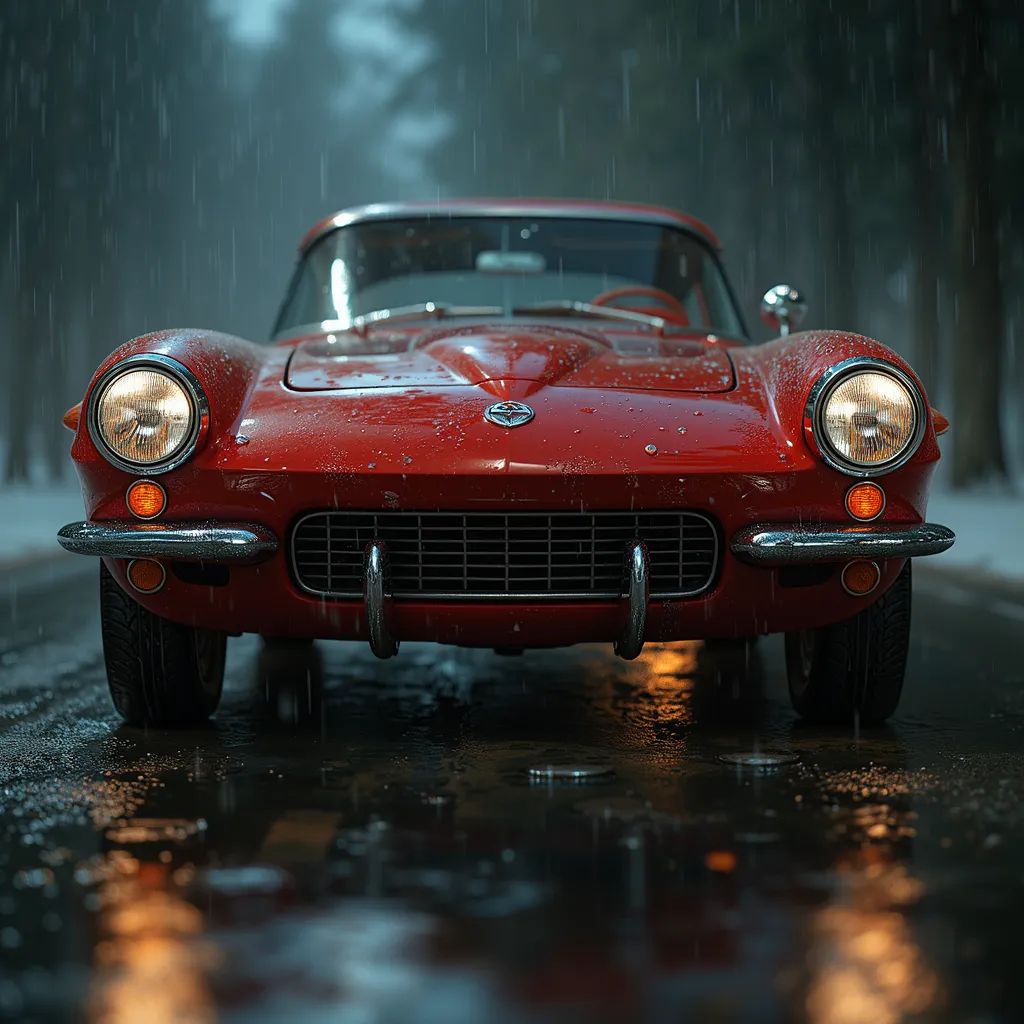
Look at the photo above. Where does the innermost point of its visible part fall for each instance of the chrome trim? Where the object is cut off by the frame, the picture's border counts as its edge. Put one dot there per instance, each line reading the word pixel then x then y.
pixel 631 643
pixel 194 390
pixel 779 544
pixel 871 519
pixel 375 587
pixel 509 414
pixel 182 542
pixel 507 598
pixel 783 307
pixel 156 589
pixel 145 480
pixel 577 211
pixel 818 398
pixel 500 595
pixel 874 587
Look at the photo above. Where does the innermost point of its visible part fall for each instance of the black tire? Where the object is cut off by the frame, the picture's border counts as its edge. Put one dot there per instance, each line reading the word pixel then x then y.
pixel 161 674
pixel 856 666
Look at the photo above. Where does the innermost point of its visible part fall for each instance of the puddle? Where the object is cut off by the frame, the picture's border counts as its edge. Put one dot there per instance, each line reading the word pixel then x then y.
pixel 154 830
pixel 570 772
pixel 759 760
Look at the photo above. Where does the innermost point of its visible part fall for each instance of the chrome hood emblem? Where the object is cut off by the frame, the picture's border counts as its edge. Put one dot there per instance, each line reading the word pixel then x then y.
pixel 509 414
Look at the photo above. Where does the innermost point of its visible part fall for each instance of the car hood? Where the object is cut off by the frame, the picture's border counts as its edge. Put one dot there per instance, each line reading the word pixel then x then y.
pixel 509 361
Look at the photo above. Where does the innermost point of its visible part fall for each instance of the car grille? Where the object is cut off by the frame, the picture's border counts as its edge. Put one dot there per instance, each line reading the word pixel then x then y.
pixel 454 555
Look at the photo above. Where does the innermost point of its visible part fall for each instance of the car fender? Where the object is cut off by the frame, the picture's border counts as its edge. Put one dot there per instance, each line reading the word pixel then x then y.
pixel 781 374
pixel 228 368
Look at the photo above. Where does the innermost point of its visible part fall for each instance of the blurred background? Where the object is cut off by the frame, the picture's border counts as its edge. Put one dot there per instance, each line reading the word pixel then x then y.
pixel 161 160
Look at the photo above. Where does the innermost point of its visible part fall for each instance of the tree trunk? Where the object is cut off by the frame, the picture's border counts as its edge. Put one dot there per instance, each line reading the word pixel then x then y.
pixel 56 439
pixel 823 58
pixel 925 202
pixel 22 391
pixel 978 453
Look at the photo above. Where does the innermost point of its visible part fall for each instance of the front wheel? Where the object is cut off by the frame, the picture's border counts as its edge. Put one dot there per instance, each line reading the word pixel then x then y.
pixel 160 673
pixel 855 666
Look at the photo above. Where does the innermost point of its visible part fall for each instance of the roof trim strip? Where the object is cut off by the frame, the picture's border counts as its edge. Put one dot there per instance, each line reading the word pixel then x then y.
pixel 584 210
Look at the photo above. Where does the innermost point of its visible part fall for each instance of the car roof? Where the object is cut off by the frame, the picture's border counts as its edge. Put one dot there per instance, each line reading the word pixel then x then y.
pixel 585 209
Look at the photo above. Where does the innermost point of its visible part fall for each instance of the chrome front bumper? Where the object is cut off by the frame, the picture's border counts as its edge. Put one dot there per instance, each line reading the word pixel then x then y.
pixel 237 543
pixel 246 543
pixel 776 544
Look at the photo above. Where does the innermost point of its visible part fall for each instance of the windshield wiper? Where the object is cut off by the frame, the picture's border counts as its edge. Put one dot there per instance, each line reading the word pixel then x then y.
pixel 360 324
pixel 568 307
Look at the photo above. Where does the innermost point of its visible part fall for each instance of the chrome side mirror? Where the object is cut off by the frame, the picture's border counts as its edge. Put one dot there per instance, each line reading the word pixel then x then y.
pixel 783 308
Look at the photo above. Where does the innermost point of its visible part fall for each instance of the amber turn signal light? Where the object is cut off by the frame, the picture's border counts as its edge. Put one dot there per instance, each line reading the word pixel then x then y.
pixel 145 575
pixel 865 501
pixel 146 499
pixel 860 578
pixel 72 416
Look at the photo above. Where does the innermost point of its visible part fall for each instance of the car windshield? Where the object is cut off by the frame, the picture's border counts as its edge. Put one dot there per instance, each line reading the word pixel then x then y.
pixel 510 263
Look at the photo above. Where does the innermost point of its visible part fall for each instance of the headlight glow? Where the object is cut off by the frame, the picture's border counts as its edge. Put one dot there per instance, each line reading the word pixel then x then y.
pixel 869 419
pixel 145 416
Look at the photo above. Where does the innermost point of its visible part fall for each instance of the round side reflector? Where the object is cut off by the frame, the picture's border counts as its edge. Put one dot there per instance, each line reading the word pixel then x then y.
pixel 860 578
pixel 146 499
pixel 145 575
pixel 865 501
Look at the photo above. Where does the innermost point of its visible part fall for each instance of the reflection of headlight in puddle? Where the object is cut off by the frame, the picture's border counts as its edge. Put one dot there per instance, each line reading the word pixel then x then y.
pixel 668 665
pixel 865 966
pixel 151 961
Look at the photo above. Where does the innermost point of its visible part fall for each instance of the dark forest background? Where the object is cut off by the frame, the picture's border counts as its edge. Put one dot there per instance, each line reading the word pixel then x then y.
pixel 158 170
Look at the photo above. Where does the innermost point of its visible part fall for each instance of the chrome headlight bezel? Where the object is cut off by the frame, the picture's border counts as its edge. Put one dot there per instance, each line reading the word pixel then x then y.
pixel 181 375
pixel 822 391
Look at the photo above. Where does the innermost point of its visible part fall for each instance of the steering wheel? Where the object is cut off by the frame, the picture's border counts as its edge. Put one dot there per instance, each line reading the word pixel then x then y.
pixel 642 291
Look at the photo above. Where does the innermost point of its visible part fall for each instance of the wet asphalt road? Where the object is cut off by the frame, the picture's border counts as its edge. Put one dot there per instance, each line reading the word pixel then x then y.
pixel 360 841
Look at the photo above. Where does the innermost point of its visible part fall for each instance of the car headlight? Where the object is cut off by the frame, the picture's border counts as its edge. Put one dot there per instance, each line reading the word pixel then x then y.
pixel 148 413
pixel 867 417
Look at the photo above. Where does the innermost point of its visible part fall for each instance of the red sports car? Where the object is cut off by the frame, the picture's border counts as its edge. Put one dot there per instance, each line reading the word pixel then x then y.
pixel 509 424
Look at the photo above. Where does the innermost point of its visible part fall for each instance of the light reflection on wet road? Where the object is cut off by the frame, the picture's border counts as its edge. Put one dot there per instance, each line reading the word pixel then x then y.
pixel 362 841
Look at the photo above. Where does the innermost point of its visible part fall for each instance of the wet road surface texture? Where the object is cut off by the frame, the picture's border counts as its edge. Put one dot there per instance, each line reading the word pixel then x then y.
pixel 362 841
